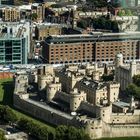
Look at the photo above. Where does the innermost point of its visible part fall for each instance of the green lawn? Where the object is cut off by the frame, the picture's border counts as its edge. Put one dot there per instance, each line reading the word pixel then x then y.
pixel 6 98
pixel 6 91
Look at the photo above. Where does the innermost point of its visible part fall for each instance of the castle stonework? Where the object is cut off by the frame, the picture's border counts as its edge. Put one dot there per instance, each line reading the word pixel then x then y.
pixel 76 95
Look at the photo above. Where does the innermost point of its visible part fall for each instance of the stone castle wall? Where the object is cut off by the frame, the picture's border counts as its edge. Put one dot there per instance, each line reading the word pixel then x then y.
pixel 118 118
pixel 51 116
pixel 42 112
pixel 126 130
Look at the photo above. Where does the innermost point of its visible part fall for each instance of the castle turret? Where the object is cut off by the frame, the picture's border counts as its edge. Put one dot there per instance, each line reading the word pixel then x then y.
pixel 52 88
pixel 43 80
pixel 76 98
pixel 113 91
pixel 132 103
pixel 74 20
pixel 118 63
pixel 45 75
pixel 104 112
pixel 133 68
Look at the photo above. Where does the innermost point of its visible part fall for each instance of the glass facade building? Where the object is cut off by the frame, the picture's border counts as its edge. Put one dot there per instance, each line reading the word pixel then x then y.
pixel 13 50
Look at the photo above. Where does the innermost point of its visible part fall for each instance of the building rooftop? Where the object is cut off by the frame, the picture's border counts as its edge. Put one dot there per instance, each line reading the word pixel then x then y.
pixel 94 36
pixel 92 84
pixel 121 104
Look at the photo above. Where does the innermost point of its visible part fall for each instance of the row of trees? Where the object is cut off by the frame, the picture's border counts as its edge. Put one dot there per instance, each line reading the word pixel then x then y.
pixel 98 23
pixel 41 132
pixel 2 135
pixel 125 12
pixel 104 3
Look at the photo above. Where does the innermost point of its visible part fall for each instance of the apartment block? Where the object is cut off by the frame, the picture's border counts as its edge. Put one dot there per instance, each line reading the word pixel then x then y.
pixel 100 47
pixel 44 30
pixel 9 13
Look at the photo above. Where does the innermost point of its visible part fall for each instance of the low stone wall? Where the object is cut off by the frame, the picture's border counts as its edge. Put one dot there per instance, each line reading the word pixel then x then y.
pixel 125 118
pixel 126 130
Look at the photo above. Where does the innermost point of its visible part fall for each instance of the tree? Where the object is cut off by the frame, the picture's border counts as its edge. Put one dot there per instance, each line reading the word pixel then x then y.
pixel 136 79
pixel 70 133
pixel 108 25
pixel 128 12
pixel 61 132
pixel 34 16
pixel 22 124
pixel 114 26
pixel 2 135
pixel 121 13
pixel 9 115
pixel 2 110
pixel 133 90
pixel 35 130
pixel 82 23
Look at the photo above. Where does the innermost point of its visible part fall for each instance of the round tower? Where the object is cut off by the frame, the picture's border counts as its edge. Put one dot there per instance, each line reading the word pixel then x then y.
pixel 52 88
pixel 41 82
pixel 133 68
pixel 118 62
pixel 104 112
pixel 76 98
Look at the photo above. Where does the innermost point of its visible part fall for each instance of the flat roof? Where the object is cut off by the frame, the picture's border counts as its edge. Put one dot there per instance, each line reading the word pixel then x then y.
pixel 94 36
pixel 121 104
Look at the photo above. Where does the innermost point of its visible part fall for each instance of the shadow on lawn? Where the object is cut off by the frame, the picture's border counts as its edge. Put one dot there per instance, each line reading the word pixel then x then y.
pixel 8 88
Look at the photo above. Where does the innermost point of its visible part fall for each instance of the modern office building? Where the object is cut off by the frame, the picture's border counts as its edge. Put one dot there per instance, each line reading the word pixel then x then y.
pixel 13 50
pixel 14 42
pixel 100 47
